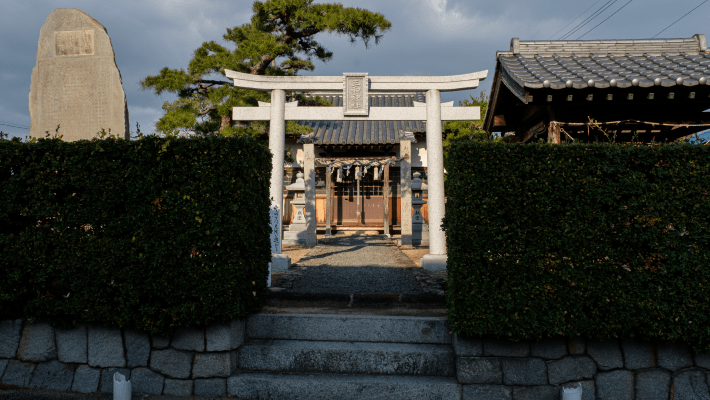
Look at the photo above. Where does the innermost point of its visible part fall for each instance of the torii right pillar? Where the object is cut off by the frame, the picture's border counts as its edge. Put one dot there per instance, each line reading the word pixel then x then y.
pixel 436 259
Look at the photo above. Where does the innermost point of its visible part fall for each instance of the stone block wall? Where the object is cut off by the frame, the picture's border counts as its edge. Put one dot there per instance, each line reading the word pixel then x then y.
pixel 614 369
pixel 194 361
pixel 199 361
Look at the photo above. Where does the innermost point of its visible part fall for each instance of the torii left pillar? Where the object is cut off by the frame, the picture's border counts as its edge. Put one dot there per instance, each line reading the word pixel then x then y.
pixel 436 259
pixel 277 146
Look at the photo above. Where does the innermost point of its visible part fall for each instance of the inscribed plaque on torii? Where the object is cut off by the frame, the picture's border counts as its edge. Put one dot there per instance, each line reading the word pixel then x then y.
pixel 355 95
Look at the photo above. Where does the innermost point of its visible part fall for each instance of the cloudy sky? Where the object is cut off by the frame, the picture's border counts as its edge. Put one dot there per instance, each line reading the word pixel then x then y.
pixel 428 37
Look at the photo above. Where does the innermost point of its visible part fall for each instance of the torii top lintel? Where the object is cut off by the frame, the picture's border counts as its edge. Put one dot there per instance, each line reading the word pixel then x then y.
pixel 376 83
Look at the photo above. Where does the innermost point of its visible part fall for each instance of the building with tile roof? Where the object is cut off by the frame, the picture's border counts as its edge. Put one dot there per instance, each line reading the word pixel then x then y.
pixel 656 89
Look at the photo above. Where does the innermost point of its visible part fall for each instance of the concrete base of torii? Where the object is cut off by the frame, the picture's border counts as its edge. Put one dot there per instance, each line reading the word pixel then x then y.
pixel 434 262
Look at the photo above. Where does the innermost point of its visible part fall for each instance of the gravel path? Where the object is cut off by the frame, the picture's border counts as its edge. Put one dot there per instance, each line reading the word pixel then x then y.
pixel 354 264
pixel 356 251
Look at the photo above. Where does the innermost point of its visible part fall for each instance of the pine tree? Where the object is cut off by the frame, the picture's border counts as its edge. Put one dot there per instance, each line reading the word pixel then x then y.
pixel 279 40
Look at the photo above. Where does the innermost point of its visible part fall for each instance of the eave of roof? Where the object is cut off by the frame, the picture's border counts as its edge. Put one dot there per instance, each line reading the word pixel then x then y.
pixel 365 132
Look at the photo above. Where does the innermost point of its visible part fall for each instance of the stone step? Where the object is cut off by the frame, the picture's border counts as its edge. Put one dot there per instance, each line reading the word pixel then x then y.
pixel 349 328
pixel 396 312
pixel 347 357
pixel 279 297
pixel 264 386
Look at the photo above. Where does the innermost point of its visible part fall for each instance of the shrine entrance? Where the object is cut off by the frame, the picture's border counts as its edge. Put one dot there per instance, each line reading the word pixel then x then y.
pixel 358 110
pixel 369 210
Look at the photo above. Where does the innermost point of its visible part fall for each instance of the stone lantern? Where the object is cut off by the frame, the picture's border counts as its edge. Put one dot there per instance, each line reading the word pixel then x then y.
pixel 420 230
pixel 296 233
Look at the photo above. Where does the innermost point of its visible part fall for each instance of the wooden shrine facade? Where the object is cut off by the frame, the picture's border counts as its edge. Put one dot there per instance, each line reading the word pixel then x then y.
pixel 379 204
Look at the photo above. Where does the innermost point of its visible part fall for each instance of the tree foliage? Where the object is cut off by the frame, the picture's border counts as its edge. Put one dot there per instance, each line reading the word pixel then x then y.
pixel 279 40
pixel 456 131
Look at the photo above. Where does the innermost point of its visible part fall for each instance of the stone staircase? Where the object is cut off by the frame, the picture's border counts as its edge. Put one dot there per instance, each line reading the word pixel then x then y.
pixel 317 356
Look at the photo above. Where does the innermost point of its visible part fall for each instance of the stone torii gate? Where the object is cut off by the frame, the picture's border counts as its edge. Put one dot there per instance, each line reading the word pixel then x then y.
pixel 355 88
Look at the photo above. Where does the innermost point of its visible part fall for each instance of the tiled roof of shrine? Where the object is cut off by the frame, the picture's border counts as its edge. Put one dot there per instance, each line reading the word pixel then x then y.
pixel 580 64
pixel 365 132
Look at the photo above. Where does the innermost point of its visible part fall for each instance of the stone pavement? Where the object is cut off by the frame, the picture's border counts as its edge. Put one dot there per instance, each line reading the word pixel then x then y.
pixel 356 268
pixel 11 393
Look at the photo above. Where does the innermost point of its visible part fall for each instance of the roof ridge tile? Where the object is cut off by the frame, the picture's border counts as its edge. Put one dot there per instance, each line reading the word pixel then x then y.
pixel 696 44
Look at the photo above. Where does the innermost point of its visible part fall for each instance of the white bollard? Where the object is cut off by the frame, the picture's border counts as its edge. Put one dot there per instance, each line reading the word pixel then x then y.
pixel 121 387
pixel 572 393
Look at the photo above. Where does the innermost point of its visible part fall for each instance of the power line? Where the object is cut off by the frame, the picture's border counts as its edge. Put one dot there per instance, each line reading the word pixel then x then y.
pixel 583 21
pixel 686 14
pixel 590 18
pixel 614 13
pixel 13 125
pixel 569 23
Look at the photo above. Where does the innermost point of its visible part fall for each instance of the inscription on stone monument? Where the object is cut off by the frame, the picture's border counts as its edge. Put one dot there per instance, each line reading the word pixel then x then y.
pixel 75 82
pixel 74 43
pixel 355 98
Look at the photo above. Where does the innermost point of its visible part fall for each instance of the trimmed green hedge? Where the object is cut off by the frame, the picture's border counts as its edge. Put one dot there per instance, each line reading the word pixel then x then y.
pixel 589 240
pixel 151 234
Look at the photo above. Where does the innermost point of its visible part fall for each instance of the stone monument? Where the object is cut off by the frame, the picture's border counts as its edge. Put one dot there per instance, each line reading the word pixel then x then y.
pixel 75 82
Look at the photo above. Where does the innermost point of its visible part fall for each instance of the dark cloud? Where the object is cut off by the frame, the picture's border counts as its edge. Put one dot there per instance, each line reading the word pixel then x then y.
pixel 428 37
pixel 639 19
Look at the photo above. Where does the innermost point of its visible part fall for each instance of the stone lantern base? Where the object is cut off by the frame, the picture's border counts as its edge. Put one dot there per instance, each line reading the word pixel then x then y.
pixel 297 233
pixel 420 234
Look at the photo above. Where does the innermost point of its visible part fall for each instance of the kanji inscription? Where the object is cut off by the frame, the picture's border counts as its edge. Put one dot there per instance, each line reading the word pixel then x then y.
pixel 275 221
pixel 355 95
pixel 355 89
pixel 74 43
pixel 77 100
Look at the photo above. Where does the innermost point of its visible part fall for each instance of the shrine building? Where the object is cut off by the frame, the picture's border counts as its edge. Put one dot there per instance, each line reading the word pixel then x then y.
pixel 369 145
pixel 633 90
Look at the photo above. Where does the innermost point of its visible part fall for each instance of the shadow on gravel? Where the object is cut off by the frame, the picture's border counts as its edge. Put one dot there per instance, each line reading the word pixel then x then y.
pixel 334 252
pixel 357 280
pixel 356 251
pixel 356 269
